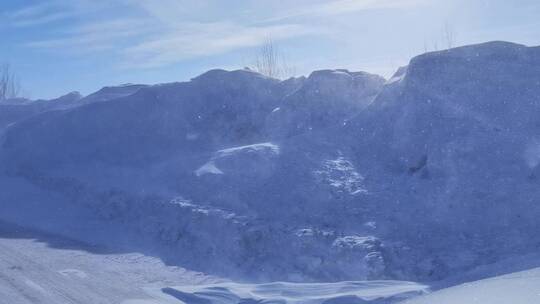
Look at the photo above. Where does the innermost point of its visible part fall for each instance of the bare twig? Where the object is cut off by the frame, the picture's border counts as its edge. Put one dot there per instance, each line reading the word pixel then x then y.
pixel 270 62
pixel 9 84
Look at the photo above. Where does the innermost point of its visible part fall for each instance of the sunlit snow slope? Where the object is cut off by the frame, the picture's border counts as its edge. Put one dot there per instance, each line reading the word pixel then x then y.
pixel 519 288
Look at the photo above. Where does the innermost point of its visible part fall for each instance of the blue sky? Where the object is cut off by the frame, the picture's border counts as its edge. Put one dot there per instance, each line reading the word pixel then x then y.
pixel 57 46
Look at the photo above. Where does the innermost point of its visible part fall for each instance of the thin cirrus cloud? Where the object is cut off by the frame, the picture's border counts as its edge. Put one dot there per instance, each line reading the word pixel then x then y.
pixel 147 34
pixel 339 7
pixel 30 11
pixel 41 20
pixel 195 40
pixel 48 12
pixel 90 37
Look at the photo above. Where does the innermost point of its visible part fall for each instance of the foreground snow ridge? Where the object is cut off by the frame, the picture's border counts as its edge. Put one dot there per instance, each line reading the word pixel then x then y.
pixel 520 288
pixel 295 293
pixel 32 271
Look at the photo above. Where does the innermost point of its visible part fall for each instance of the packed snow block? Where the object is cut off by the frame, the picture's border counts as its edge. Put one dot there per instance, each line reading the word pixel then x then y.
pixel 234 172
pixel 451 137
pixel 360 254
pixel 18 109
pixel 327 98
pixel 250 159
pixel 214 110
pixel 15 110
pixel 341 176
pixel 111 93
pixel 9 114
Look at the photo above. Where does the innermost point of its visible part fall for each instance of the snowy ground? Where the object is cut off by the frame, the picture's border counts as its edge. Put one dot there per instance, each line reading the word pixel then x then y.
pixel 57 270
pixel 280 292
pixel 33 271
pixel 520 288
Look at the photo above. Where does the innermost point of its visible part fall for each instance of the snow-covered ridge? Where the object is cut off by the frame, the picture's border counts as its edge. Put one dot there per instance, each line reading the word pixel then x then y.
pixel 210 167
pixel 398 76
pixel 234 75
pixel 112 92
pixel 270 147
pixel 327 98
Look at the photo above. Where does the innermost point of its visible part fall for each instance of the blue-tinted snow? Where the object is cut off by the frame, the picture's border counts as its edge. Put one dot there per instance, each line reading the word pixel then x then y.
pixel 429 174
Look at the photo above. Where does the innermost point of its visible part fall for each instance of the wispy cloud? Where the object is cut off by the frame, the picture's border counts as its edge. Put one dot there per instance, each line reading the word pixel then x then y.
pixel 340 7
pixel 148 34
pixel 50 11
pixel 205 39
pixel 95 36
pixel 38 14
pixel 153 35
pixel 41 19
pixel 30 11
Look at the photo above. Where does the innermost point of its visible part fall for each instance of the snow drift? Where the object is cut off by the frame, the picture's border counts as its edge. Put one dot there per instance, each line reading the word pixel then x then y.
pixel 340 176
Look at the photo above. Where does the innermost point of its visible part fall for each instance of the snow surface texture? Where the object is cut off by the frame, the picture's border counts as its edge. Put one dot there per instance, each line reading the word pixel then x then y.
pixel 327 98
pixel 72 272
pixel 242 153
pixel 432 173
pixel 521 287
pixel 12 111
pixel 42 268
pixel 19 109
pixel 297 293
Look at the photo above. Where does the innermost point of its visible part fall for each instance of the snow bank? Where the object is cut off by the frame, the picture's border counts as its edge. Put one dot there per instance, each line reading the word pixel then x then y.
pixel 295 293
pixel 521 287
pixel 327 98
pixel 430 174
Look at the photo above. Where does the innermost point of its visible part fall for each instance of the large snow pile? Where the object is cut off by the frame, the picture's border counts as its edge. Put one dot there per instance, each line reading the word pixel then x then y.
pixel 339 176
pixel 452 146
